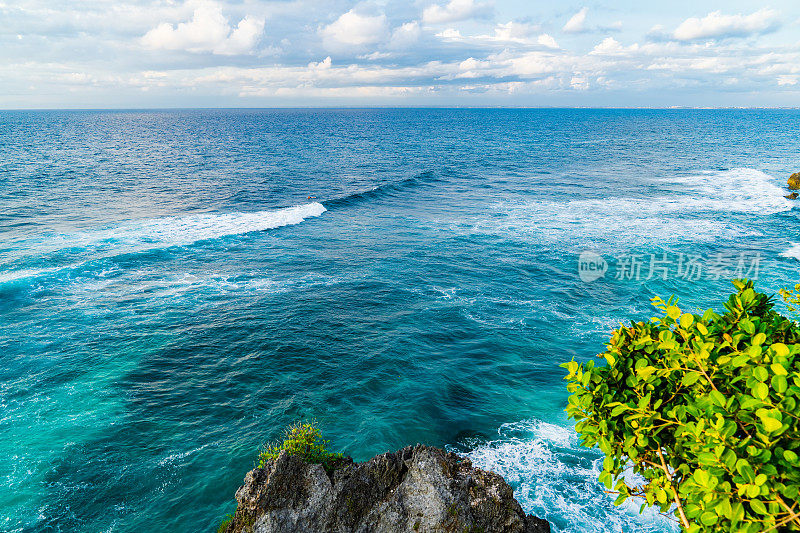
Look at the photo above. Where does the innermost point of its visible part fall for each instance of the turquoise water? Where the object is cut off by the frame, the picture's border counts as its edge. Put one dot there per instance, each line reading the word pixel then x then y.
pixel 171 298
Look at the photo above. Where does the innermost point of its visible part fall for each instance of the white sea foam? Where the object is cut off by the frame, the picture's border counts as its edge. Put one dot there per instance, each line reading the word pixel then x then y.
pixel 149 234
pixel 188 229
pixel 793 252
pixel 743 190
pixel 556 479
pixel 683 208
pixel 14 275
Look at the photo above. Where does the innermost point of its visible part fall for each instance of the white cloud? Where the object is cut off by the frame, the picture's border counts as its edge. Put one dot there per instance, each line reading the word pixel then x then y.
pixel 450 34
pixel 577 23
pixel 716 24
pixel 325 64
pixel 513 31
pixel 243 38
pixel 207 31
pixel 610 46
pixel 509 33
pixel 455 10
pixel 355 29
pixel 375 56
pixel 547 40
pixel 579 83
pixel 405 35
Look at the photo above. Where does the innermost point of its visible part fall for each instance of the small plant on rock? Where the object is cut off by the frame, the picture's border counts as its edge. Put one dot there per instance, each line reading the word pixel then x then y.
pixel 303 440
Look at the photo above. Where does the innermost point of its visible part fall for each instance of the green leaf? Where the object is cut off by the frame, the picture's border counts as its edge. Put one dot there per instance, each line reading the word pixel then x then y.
pixel 771 424
pixel 708 518
pixel 760 373
pixel 760 391
pixel 687 319
pixel 759 339
pixel 741 360
pixel 717 397
pixel 779 383
pixel 778 369
pixel 690 378
pixel 618 410
pixel 673 312
pixel 759 507
pixel 780 349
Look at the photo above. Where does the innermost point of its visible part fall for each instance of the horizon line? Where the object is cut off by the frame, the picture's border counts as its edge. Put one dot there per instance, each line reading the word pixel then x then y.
pixel 312 107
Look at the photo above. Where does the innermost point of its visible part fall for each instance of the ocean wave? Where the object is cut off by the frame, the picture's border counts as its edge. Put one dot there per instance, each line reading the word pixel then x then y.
pixel 741 190
pixel 386 189
pixel 556 479
pixel 150 234
pixel 684 208
pixel 188 229
pixel 793 252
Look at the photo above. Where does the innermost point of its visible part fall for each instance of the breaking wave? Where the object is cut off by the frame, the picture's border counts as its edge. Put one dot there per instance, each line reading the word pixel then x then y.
pixel 387 189
pixel 150 234
pixel 673 210
pixel 555 478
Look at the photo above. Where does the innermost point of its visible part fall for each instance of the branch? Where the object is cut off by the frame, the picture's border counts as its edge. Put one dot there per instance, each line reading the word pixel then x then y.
pixel 684 520
pixel 792 515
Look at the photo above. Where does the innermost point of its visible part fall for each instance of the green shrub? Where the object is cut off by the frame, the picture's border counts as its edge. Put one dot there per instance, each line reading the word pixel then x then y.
pixel 223 526
pixel 305 442
pixel 705 409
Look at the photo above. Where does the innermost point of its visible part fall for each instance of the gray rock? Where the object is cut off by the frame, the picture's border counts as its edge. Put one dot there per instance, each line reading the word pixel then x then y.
pixel 416 489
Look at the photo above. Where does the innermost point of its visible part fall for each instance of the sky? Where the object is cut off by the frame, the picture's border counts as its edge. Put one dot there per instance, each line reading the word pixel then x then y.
pixel 254 53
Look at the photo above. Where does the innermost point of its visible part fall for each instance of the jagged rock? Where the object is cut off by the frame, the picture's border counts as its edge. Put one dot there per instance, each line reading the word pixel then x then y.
pixel 416 489
pixel 794 181
pixel 791 196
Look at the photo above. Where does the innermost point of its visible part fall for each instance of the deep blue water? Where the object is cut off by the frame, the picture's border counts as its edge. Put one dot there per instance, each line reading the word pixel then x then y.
pixel 171 298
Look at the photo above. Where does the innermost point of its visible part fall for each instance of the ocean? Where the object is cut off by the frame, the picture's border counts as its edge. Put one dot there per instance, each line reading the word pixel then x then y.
pixel 176 287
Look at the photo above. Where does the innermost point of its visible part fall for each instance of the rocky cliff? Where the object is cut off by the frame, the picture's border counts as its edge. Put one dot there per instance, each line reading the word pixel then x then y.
pixel 416 489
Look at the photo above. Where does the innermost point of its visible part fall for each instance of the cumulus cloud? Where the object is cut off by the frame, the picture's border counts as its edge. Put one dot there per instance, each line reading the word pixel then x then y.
pixel 454 11
pixel 355 29
pixel 380 55
pixel 577 23
pixel 610 46
pixel 325 64
pixel 509 33
pixel 715 24
pixel 513 32
pixel 207 31
pixel 405 35
pixel 547 40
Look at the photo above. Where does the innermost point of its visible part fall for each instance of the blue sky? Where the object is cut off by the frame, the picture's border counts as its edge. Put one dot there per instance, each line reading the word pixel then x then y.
pixel 253 53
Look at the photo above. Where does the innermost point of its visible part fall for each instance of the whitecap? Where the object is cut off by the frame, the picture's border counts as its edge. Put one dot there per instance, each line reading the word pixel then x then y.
pixel 793 252
pixel 150 234
pixel 677 209
pixel 556 479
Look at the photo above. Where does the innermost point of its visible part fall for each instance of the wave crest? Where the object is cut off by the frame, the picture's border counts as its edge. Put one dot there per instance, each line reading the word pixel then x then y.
pixel 556 479
pixel 150 234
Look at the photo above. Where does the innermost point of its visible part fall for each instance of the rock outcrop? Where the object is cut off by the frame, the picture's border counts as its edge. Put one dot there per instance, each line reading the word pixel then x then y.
pixel 416 489
pixel 794 181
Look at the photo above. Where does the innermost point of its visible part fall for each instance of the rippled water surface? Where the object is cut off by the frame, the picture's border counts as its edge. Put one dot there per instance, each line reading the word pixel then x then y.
pixel 176 287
